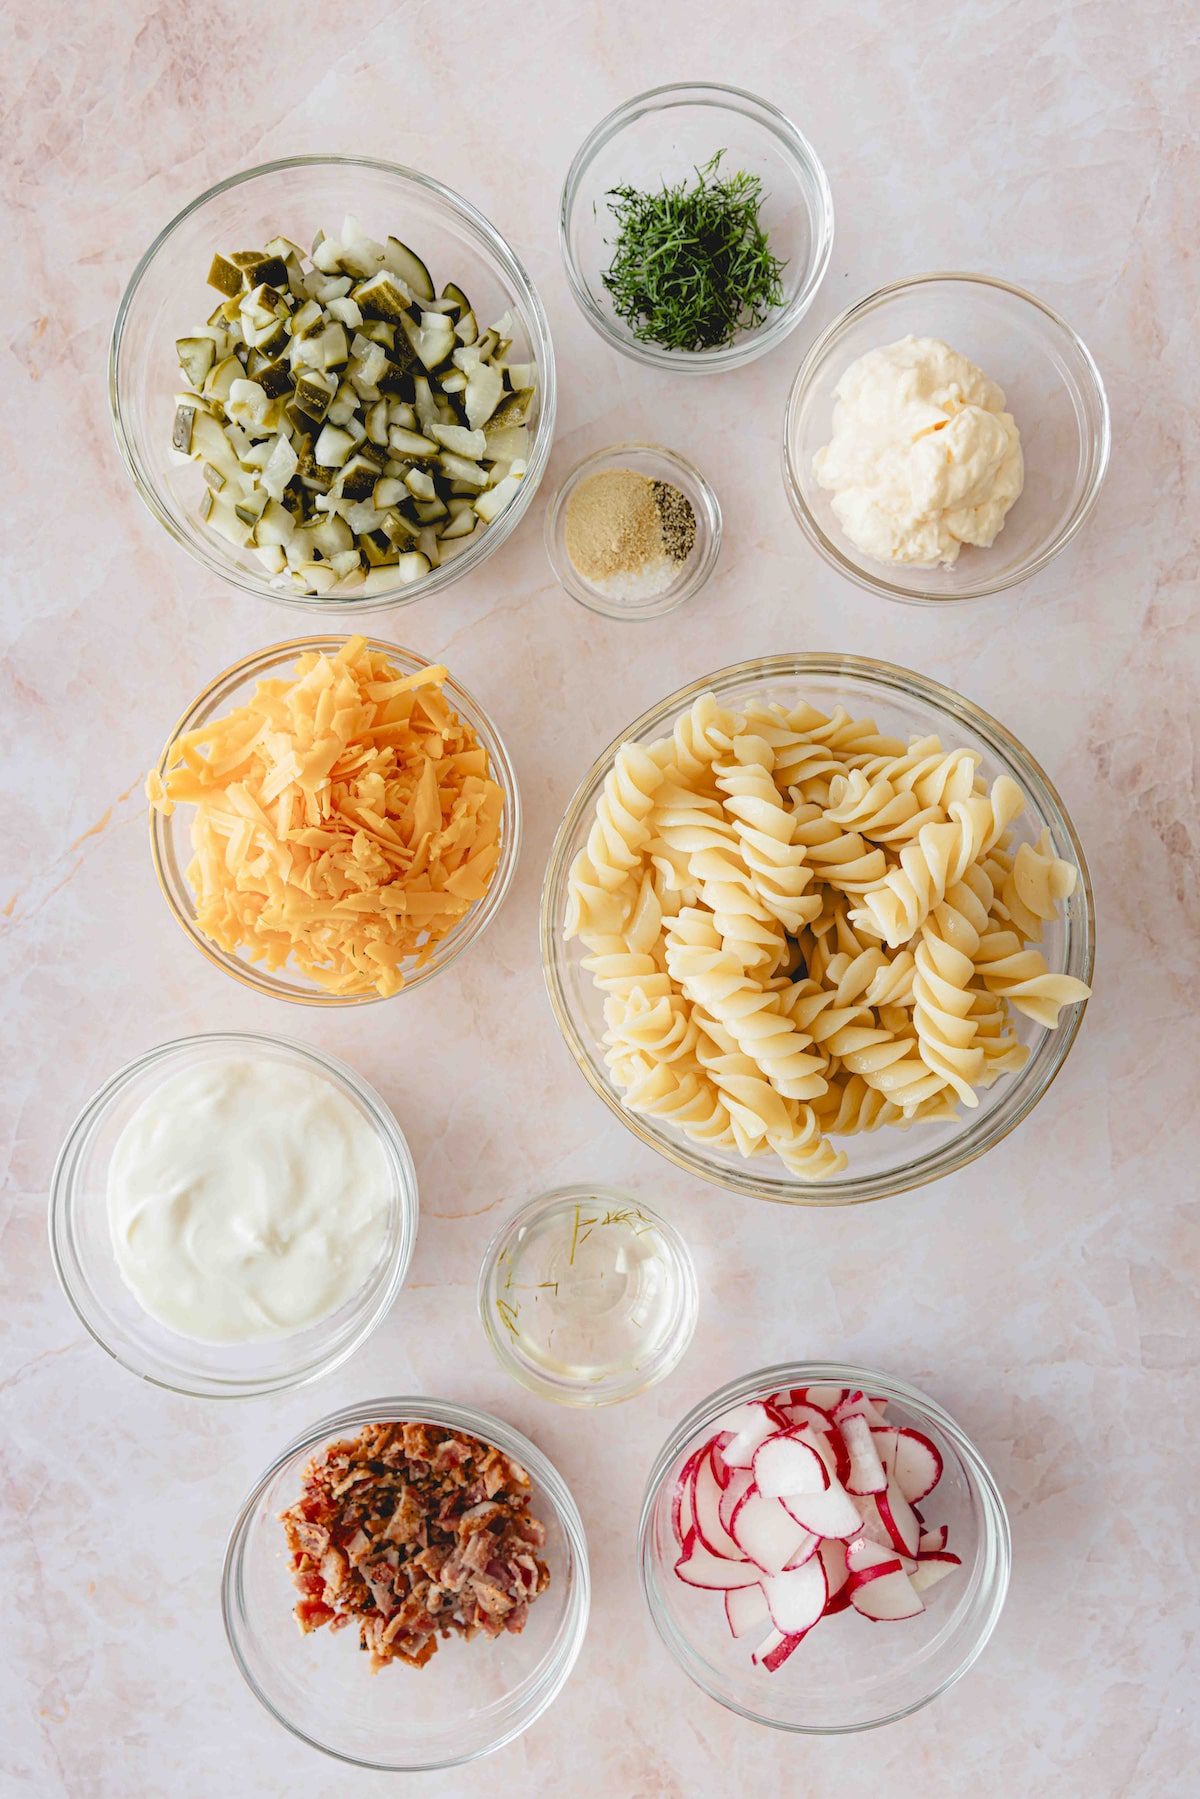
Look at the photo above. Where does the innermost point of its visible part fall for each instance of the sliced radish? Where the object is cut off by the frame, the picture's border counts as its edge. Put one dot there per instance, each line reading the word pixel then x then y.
pixel 765 1532
pixel 899 1519
pixel 804 1412
pixel 784 1465
pixel 785 1397
pixel 706 1509
pixel 931 1568
pixel 933 1541
pixel 683 1516
pixel 796 1598
pixel 829 1514
pixel 873 1527
pixel 746 1610
pixel 809 1546
pixel 740 1479
pixel 699 1567
pixel 881 1405
pixel 755 1422
pixel 833 1558
pixel 716 1456
pixel 857 1405
pixel 885 1436
pixel 826 1397
pixel 864 1552
pixel 885 1594
pixel 917 1466
pixel 829 1446
pixel 773 1651
pixel 866 1474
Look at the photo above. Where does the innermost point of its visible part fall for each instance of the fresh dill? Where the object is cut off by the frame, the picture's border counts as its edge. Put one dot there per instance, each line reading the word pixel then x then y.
pixel 692 265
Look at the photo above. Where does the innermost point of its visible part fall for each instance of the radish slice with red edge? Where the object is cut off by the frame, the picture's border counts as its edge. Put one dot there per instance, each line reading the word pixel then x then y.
pixel 706 1509
pixel 755 1422
pixel 784 1464
pixel 796 1598
pixel 933 1567
pixel 740 1480
pixel 833 1557
pixel 683 1517
pixel 699 1567
pixel 716 1455
pixel 932 1541
pixel 917 1466
pixel 863 1553
pixel 885 1594
pixel 899 1519
pixel 829 1514
pixel 746 1610
pixel 826 1397
pixel 885 1436
pixel 807 1413
pixel 866 1473
pixel 766 1533
pixel 774 1650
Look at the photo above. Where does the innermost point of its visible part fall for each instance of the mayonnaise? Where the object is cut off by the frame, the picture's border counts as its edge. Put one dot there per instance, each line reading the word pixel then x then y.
pixel 246 1200
pixel 923 457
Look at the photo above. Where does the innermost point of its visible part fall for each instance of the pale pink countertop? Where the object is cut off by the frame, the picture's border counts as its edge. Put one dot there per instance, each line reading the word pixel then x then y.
pixel 1047 1296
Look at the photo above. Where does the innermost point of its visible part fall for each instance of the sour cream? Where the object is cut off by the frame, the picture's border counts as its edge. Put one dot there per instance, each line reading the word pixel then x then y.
pixel 923 458
pixel 247 1199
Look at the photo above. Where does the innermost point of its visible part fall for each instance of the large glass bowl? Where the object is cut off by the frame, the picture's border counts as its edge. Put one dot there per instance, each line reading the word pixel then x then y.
pixel 170 835
pixel 1051 386
pixel 904 703
pixel 82 1251
pixel 472 1697
pixel 167 295
pixel 848 1673
pixel 664 136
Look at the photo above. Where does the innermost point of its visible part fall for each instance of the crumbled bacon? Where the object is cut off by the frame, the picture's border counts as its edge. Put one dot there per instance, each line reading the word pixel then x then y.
pixel 414 1532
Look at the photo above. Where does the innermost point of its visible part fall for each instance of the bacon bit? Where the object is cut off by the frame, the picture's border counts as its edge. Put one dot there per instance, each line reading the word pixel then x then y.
pixel 414 1533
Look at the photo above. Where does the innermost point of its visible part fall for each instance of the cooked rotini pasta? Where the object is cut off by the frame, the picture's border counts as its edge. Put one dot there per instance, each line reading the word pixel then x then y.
pixel 805 929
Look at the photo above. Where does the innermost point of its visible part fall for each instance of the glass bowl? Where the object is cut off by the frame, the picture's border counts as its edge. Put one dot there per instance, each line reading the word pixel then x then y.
pixel 170 836
pixel 82 1251
pixel 167 295
pixel 472 1697
pixel 884 1161
pixel 664 135
pixel 657 464
pixel 848 1674
pixel 560 1221
pixel 1052 388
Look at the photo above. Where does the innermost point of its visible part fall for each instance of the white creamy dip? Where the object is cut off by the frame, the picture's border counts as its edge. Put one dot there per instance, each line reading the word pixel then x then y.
pixel 923 458
pixel 246 1200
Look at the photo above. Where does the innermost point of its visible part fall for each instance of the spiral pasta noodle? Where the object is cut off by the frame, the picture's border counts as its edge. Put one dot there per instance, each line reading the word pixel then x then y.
pixel 804 929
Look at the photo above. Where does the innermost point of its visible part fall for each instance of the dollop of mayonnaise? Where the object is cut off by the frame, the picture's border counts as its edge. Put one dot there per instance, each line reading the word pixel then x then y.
pixel 923 458
pixel 246 1200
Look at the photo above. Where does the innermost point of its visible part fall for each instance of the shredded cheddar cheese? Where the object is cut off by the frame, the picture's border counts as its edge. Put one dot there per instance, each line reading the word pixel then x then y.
pixel 346 820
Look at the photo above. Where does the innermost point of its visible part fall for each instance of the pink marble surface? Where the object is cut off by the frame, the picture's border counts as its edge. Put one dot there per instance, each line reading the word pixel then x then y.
pixel 1047 1296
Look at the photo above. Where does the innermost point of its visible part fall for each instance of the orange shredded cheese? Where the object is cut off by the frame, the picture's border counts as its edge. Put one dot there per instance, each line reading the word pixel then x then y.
pixel 346 820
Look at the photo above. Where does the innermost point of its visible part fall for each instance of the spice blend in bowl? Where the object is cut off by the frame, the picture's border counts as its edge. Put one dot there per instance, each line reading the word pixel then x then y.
pixel 633 531
pixel 627 534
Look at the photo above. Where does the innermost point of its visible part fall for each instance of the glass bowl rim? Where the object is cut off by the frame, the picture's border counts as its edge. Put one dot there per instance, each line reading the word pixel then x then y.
pixel 62 1183
pixel 1099 439
pixel 722 96
pixel 995 1526
pixel 477 919
pixel 709 519
pixel 542 351
pixel 686 1308
pixel 953 1158
pixel 452 1415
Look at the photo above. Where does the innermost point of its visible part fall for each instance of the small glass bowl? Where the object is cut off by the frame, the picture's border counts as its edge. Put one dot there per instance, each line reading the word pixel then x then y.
pixel 167 295
pixel 665 135
pixel 1051 386
pixel 472 1697
pixel 884 1161
pixel 81 1246
pixel 848 1674
pixel 611 1379
pixel 657 464
pixel 170 835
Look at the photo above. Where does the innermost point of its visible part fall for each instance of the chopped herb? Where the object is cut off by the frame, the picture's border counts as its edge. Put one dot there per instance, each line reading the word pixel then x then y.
pixel 692 265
